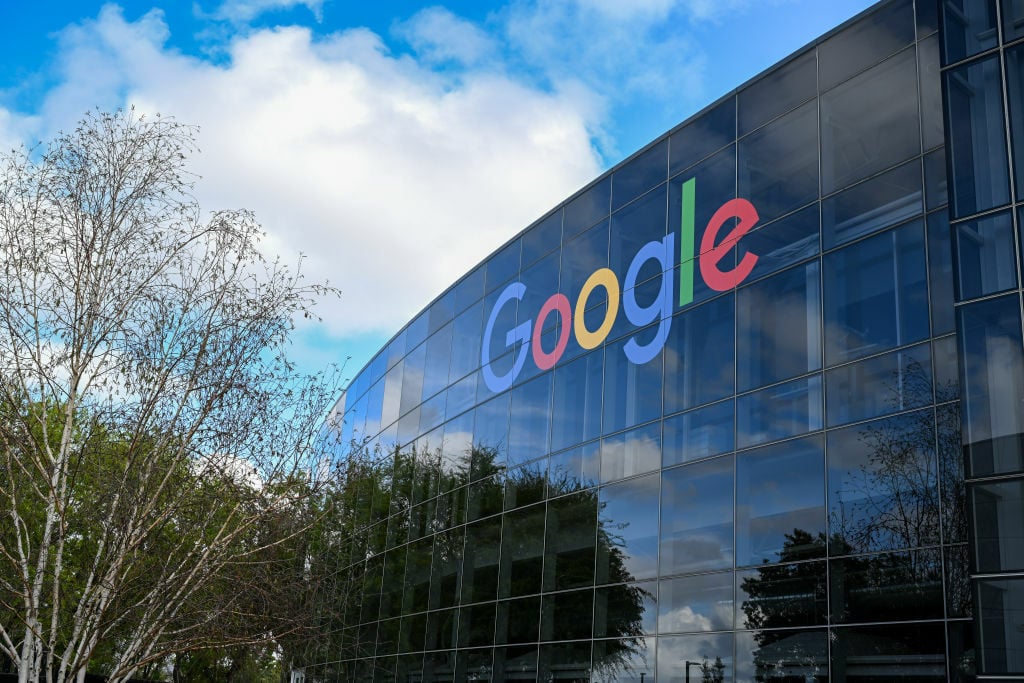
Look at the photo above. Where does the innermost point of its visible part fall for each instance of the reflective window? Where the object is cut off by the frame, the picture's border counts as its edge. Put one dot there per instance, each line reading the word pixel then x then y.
pixel 1001 611
pixel 490 435
pixel 781 656
pixel 480 564
pixel 526 485
pixel 864 588
pixel 703 657
pixel 588 208
pixel 778 412
pixel 447 567
pixel 541 280
pixel 632 452
pixel 634 226
pixel 627 548
pixel 781 596
pixel 777 92
pixel 412 380
pixel 947 370
pixel 518 621
pixel 435 365
pixel 467 337
pixel 1015 95
pixel 932 126
pixel 476 626
pixel 542 238
pixel 870 122
pixel 698 434
pixel 522 552
pixel 780 502
pixel 580 258
pixel 697 517
pixel 695 603
pixel 632 393
pixel 951 473
pixel 503 266
pixel 576 403
pixel 564 661
pixel 876 294
pixel 778 164
pixel 992 390
pixel 529 418
pixel 780 244
pixel 710 131
pixel 570 540
pixel 884 384
pixel 866 42
pixel 441 312
pixel 639 174
pixel 699 355
pixel 935 179
pixel 872 205
pixel 940 273
pixel 625 610
pixel 999 525
pixel 903 651
pixel 625 660
pixel 967 29
pixel 977 137
pixel 778 327
pixel 575 469
pixel 986 260
pixel 469 289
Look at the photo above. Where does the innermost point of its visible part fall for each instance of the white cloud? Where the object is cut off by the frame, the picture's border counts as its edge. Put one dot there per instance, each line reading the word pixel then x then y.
pixel 439 36
pixel 241 11
pixel 391 178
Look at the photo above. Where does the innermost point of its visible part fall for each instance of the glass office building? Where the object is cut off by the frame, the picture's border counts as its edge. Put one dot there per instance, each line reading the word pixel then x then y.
pixel 748 407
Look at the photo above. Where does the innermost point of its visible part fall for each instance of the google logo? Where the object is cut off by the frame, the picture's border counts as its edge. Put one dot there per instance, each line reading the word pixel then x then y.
pixel 713 250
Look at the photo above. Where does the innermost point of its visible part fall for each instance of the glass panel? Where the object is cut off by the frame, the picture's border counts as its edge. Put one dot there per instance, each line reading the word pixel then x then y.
pixel 875 204
pixel 436 363
pixel 778 412
pixel 568 616
pixel 940 273
pixel 543 237
pixel 780 244
pixel 1015 95
pixel 570 539
pixel 518 621
pixel 634 226
pixel 632 393
pixel 467 337
pixel 871 39
pixel 447 566
pixel 780 502
pixel 528 424
pixel 480 566
pixel 876 294
pixel 699 363
pixel 778 165
pixel 947 370
pixel 580 258
pixel 541 280
pixel 476 625
pixel 910 652
pixel 697 517
pixel 695 603
pixel 574 470
pixel 967 28
pixel 588 208
pixel 469 289
pixel 935 179
pixel 977 137
pixel 629 453
pixel 441 311
pixel 624 660
pixel 1001 611
pixel 777 92
pixel 951 472
pixel 781 656
pixel 870 122
pixel 628 530
pixel 503 266
pixel 698 434
pixel 999 525
pixel 992 385
pixel 526 485
pixel 781 596
pixel 712 130
pixel 522 552
pixel 704 657
pixel 639 174
pixel 874 387
pixel 889 587
pixel 622 611
pixel 490 436
pixel 576 406
pixel 986 260
pixel 565 662
pixel 778 327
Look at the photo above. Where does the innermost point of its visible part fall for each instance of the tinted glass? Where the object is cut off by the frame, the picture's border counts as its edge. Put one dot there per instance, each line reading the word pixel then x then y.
pixel 704 657
pixel 861 589
pixel 639 174
pixel 576 403
pixel 529 419
pixel 909 651
pixel 967 29
pixel 778 92
pixel 932 126
pixel 469 289
pixel 1015 94
pixel 935 179
pixel 628 530
pixel 781 596
pixel 781 655
pixel 632 393
pixel 641 222
pixel 697 517
pixel 522 552
pixel 625 609
pixel 780 244
pixel 876 386
pixel 712 130
pixel 986 260
pixel 588 208
pixel 542 238
pixel 630 453
pixel 699 355
pixel 568 616
pixel 698 434
pixel 1000 611
pixel 940 273
pixel 866 42
pixel 466 340
pixel 778 412
pixel 696 603
pixel 570 541
pixel 580 258
pixel 998 525
pixel 875 204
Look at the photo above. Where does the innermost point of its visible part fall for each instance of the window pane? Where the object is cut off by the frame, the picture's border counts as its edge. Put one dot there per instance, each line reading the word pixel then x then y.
pixel 977 137
pixel 639 174
pixel 940 273
pixel 632 393
pixel 570 539
pixel 876 294
pixel 696 603
pixel 864 588
pixel 870 122
pixel 699 355
pixel 992 388
pixel 875 204
pixel 632 452
pixel 697 517
pixel 780 502
pixel 503 266
pixel 625 610
pixel 480 566
pixel 1001 608
pixel 780 244
pixel 586 209
pixel 967 29
pixel 781 656
pixel 986 260
pixel 999 525
pixel 522 552
pixel 778 412
pixel 576 405
pixel 712 130
pixel 628 531
pixel 781 596
pixel 914 652
pixel 530 417
pixel 778 327
pixel 871 39
pixel 467 337
pixel 634 226
pixel 777 92
pixel 698 434
pixel 542 238
pixel 705 657
pixel 884 384
pixel 932 126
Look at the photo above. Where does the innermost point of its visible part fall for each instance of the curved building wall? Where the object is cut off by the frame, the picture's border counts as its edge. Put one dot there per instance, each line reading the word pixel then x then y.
pixel 700 422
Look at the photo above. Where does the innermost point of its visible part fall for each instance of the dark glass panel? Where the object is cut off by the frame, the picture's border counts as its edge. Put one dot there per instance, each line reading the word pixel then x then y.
pixel 515 663
pixel 695 603
pixel 967 29
pixel 624 610
pixel 438 667
pixel 870 122
pixel 474 665
pixel 541 280
pixel 780 502
pixel 466 340
pixel 416 332
pixel 777 92
pixel 392 586
pixel 889 587
pixel 518 621
pixel 580 258
pixel 977 137
pixel 904 652
pixel 480 563
pixel 962 652
pixel 873 205
pixel 564 662
pixel 441 312
pixel 697 139
pixel 544 236
pixel 476 625
pixel 503 266
pixel 639 174
pixel 469 290
pixel 958 582
pixel 869 40
pixel 876 294
pixel 703 657
pixel 698 434
pixel 486 498
pixel 573 470
pixel 778 164
pixel 986 258
pixel 391 402
pixel 951 473
pixel 629 453
pixel 632 393
pixel 998 509
pixel 932 126
pixel 576 404
pixel 940 272
pixel 697 517
pixel 1000 613
pixel 778 327
pixel 634 226
pixel 947 369
pixel 1015 96
pixel 447 568
pixel 889 383
pixel 780 244
pixel 529 421
pixel 699 355
pixel 783 656
pixel 526 485
pixel 522 552
pixel 781 596
pixel 412 379
pixel 992 385
pixel 568 616
pixel 457 453
pixel 927 17
pixel 628 530
pixel 1013 19
pixel 936 192
pixel 625 660
pixel 778 412
pixel 588 208
pixel 369 609
pixel 490 436
pixel 411 640
pixel 570 539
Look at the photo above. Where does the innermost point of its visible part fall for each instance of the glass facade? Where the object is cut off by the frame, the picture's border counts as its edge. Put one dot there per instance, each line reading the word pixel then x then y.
pixel 702 422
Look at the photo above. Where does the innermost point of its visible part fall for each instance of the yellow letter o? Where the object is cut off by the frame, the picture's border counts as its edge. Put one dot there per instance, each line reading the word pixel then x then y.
pixel 603 277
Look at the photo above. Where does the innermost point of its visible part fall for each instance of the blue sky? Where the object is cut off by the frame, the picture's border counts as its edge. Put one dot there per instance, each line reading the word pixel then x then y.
pixel 393 144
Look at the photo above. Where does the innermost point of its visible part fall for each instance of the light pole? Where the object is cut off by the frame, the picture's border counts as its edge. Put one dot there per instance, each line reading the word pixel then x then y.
pixel 688 665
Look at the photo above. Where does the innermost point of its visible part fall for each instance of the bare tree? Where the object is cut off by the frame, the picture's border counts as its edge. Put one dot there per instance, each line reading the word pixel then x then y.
pixel 153 434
